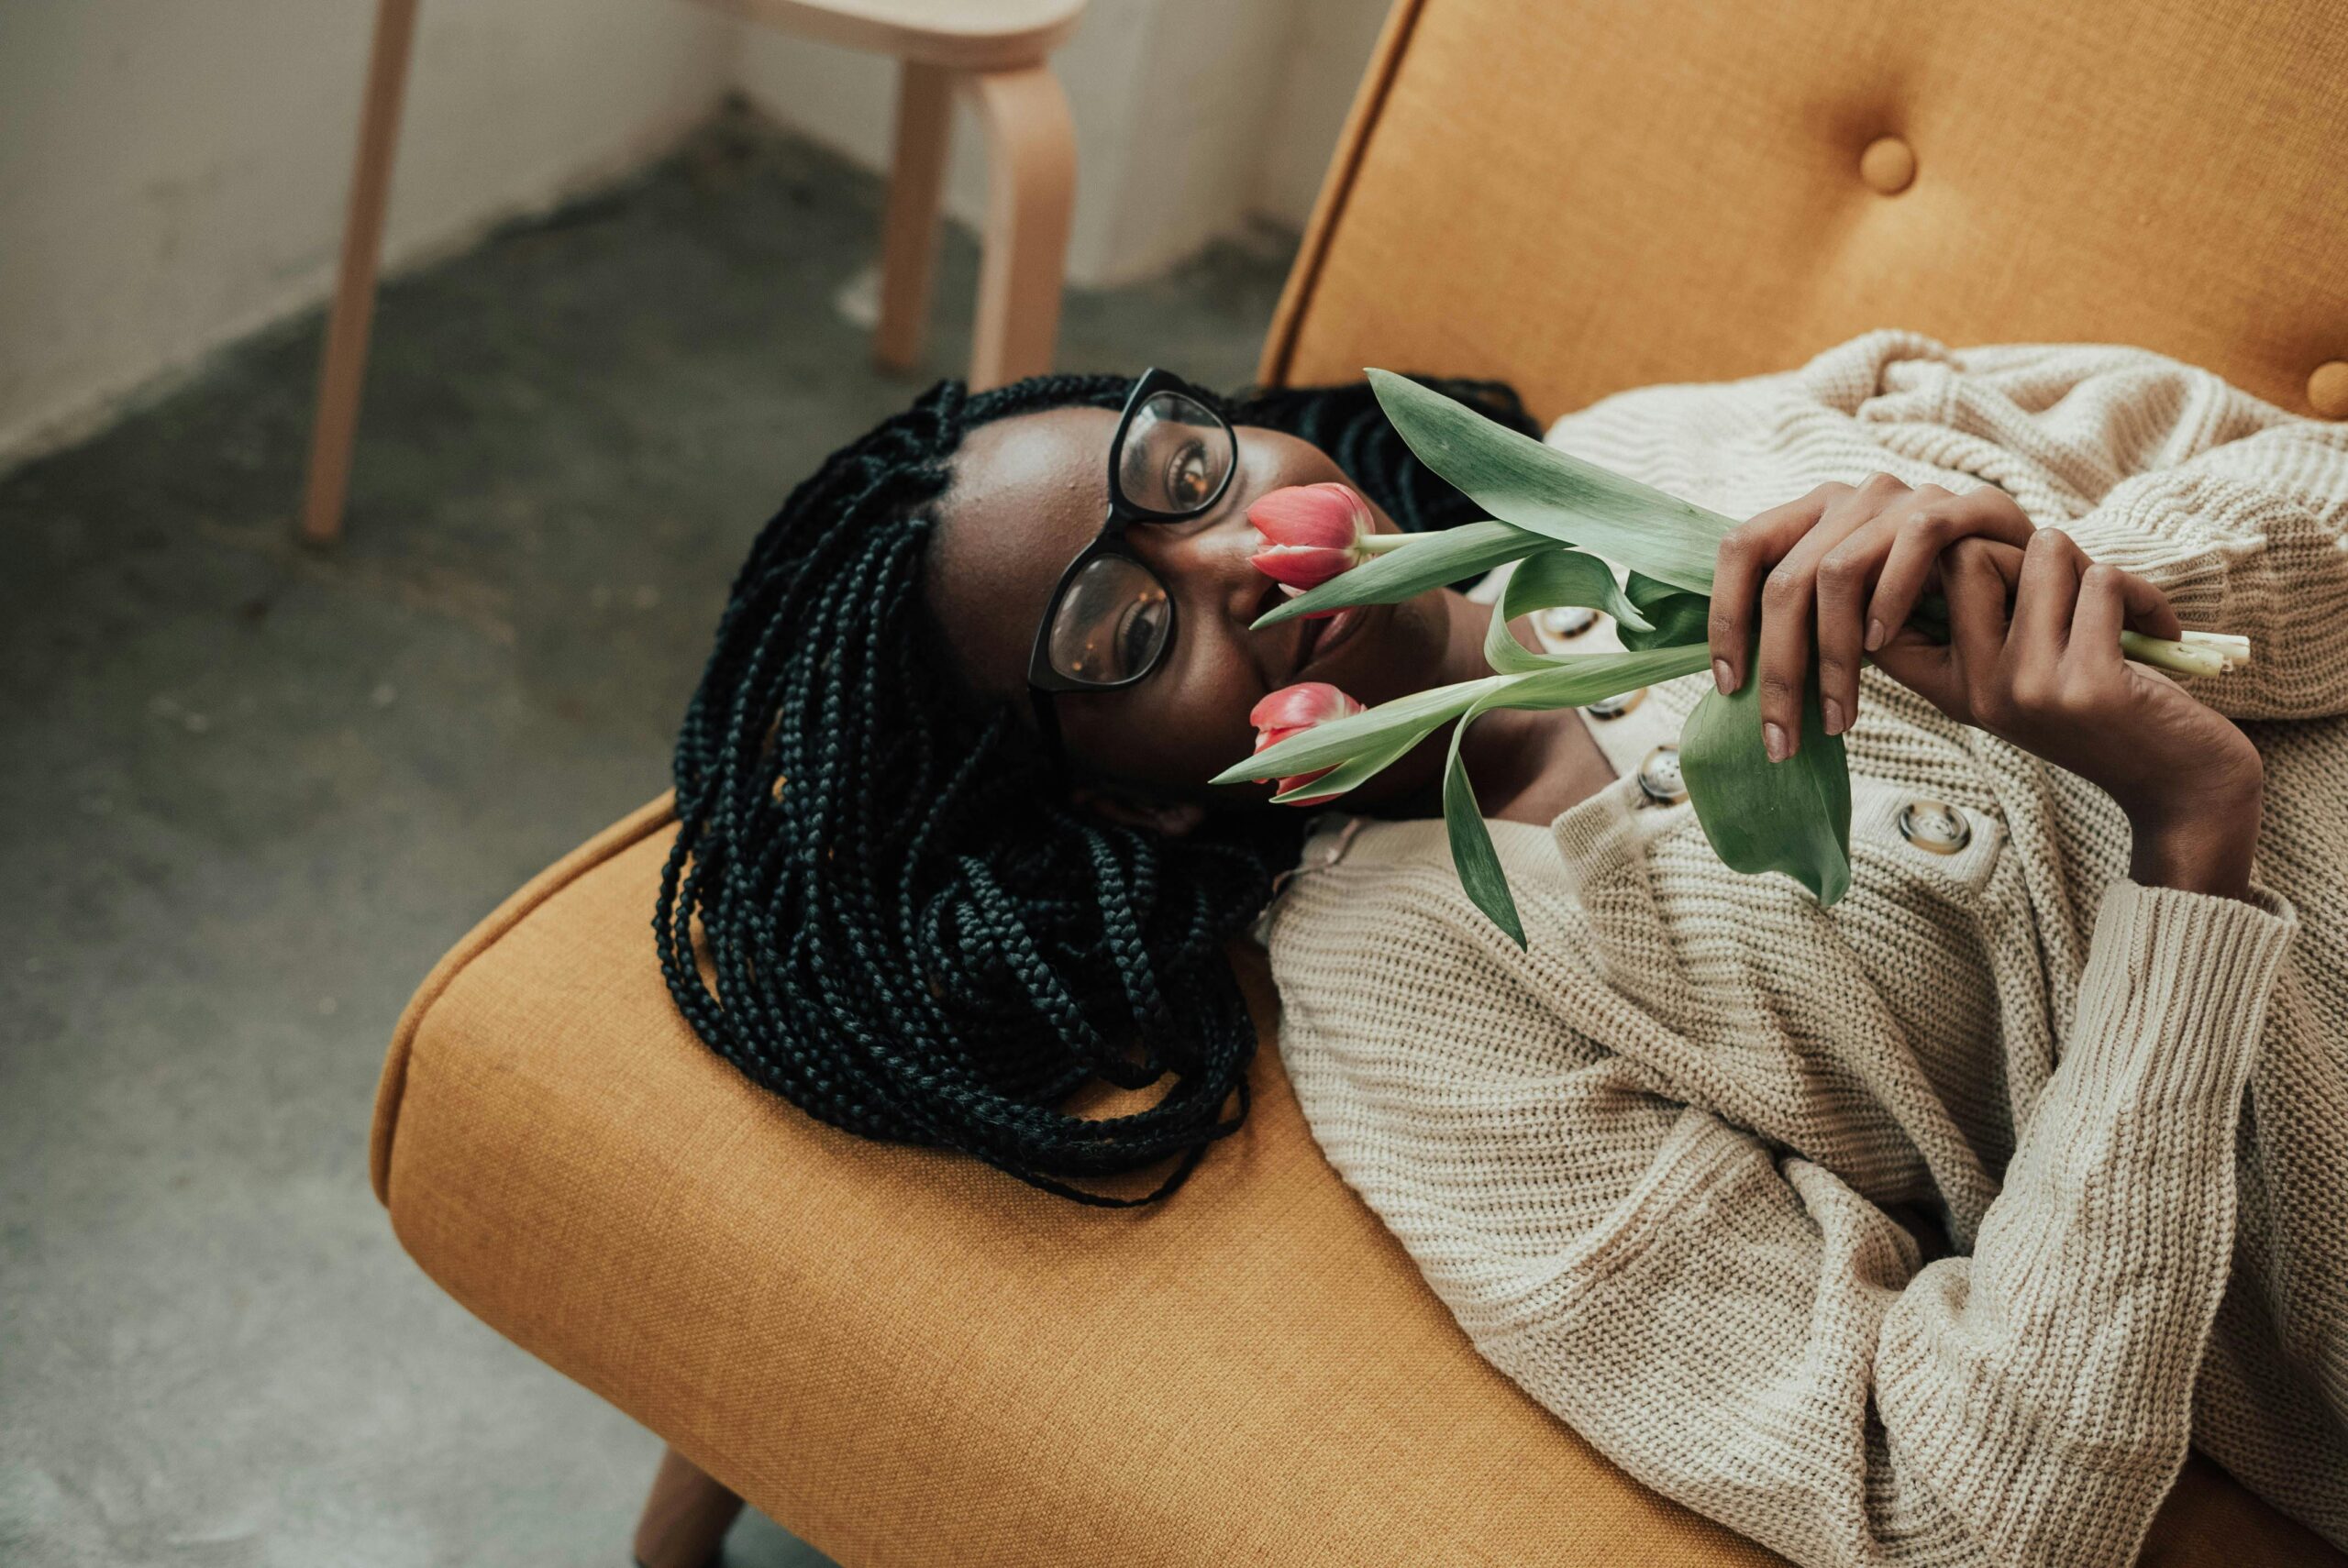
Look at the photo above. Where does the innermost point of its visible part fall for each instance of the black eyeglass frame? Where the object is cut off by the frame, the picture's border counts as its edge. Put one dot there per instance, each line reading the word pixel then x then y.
pixel 1043 681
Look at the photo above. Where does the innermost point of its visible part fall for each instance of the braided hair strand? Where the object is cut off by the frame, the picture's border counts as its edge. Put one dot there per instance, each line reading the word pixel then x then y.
pixel 878 904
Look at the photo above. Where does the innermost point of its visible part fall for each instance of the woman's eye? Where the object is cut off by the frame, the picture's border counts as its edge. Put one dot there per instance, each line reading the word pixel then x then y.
pixel 1186 481
pixel 1136 639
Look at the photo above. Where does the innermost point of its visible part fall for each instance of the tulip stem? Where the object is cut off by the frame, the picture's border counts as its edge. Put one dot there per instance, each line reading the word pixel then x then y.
pixel 2195 653
pixel 1378 543
pixel 2192 653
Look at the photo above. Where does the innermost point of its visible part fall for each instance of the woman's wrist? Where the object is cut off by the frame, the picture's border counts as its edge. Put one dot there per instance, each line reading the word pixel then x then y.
pixel 2205 847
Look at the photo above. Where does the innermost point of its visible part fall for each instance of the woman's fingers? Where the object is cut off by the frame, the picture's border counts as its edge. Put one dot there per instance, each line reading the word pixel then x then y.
pixel 2098 618
pixel 1925 532
pixel 1961 677
pixel 1926 668
pixel 1840 571
pixel 1789 599
pixel 1976 574
pixel 1844 575
pixel 2149 610
pixel 1745 556
pixel 2048 589
pixel 1847 578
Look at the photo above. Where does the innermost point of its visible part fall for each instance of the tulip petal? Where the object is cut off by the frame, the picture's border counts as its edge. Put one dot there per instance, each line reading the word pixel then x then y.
pixel 1298 707
pixel 1302 567
pixel 1301 779
pixel 1326 515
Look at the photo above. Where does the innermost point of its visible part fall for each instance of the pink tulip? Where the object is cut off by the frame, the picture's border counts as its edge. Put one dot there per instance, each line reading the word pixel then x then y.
pixel 1313 532
pixel 1291 710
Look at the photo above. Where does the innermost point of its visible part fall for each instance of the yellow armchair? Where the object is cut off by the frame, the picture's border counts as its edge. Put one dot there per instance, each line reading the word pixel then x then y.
pixel 909 1359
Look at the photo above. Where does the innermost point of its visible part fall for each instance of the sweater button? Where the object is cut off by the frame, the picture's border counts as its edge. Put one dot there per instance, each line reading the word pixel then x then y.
pixel 1934 827
pixel 1659 778
pixel 1563 624
pixel 1615 707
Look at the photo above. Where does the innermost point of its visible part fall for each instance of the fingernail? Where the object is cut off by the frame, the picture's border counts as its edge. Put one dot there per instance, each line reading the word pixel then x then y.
pixel 1875 635
pixel 1723 676
pixel 1833 717
pixel 1773 740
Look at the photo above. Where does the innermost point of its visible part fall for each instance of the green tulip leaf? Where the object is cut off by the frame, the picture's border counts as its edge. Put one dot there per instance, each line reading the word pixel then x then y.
pixel 1472 855
pixel 1519 480
pixel 1428 561
pixel 1677 616
pixel 1792 816
pixel 1355 770
pixel 1568 680
pixel 1544 581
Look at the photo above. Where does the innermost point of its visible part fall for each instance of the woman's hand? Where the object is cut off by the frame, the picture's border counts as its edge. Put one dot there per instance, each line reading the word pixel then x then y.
pixel 2049 677
pixel 1844 567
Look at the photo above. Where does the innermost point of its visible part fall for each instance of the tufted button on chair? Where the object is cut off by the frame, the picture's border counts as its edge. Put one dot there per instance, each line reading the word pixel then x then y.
pixel 1889 165
pixel 2328 390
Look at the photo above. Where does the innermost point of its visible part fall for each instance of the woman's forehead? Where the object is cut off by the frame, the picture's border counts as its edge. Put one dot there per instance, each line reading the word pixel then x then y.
pixel 1027 494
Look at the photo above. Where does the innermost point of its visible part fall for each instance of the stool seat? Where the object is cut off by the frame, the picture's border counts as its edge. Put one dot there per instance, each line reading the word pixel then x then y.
pixel 961 35
pixel 909 1358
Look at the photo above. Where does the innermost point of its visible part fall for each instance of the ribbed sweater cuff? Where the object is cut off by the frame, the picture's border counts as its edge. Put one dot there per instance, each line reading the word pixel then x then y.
pixel 2184 974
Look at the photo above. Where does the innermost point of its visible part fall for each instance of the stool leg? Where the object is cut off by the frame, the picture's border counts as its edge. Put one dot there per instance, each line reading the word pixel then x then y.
pixel 1031 185
pixel 354 290
pixel 685 1518
pixel 909 233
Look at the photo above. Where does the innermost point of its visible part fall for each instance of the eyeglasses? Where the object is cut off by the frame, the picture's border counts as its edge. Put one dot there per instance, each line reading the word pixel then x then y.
pixel 1110 619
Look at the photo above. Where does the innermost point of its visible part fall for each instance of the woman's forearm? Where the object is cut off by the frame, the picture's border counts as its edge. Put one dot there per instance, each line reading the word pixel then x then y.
pixel 2057 1362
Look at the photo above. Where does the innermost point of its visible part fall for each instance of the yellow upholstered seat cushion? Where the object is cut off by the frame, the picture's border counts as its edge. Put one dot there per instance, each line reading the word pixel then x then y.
pixel 909 1358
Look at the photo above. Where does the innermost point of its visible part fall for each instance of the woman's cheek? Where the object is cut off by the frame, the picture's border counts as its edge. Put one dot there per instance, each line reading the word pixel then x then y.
pixel 1186 724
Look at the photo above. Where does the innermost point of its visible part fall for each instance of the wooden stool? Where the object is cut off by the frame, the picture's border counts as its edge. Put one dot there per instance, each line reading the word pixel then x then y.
pixel 993 49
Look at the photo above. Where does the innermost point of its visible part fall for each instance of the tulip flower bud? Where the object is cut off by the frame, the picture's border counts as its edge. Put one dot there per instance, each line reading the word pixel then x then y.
pixel 1291 710
pixel 1313 532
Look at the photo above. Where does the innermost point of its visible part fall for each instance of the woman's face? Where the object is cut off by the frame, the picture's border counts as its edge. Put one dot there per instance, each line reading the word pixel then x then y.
pixel 1030 491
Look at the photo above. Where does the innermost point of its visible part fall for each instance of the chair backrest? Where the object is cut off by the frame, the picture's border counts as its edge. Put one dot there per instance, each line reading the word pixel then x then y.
pixel 1585 196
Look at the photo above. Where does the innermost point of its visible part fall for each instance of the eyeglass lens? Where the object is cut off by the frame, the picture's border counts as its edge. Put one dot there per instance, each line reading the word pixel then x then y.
pixel 1176 455
pixel 1111 623
pixel 1113 619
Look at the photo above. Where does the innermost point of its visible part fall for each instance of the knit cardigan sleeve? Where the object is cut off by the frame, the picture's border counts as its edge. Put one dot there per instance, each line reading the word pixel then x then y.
pixel 2236 508
pixel 1741 1330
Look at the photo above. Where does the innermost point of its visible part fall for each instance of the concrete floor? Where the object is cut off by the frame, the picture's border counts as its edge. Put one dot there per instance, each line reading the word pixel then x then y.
pixel 252 791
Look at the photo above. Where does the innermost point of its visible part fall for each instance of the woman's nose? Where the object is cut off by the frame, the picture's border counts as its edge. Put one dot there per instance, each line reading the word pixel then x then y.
pixel 1209 567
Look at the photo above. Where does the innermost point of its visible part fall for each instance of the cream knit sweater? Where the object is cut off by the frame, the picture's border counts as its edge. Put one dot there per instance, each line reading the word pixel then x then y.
pixel 1931 1227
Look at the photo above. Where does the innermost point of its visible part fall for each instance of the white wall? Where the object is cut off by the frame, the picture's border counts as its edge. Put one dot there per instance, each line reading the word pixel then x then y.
pixel 173 172
pixel 1327 51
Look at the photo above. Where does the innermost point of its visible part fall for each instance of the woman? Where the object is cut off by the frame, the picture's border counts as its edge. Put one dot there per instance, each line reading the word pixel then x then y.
pixel 1928 1227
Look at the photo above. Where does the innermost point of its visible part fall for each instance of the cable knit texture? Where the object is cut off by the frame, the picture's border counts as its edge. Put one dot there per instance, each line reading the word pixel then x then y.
pixel 1931 1227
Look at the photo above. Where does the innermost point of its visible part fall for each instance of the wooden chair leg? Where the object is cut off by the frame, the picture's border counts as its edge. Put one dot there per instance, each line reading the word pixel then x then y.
pixel 909 233
pixel 354 293
pixel 1031 186
pixel 686 1518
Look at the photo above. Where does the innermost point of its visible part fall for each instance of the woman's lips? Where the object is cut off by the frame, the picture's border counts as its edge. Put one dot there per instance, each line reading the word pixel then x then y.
pixel 1322 636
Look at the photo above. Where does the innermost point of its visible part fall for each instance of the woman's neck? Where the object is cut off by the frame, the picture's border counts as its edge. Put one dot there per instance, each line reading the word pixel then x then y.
pixel 1528 765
